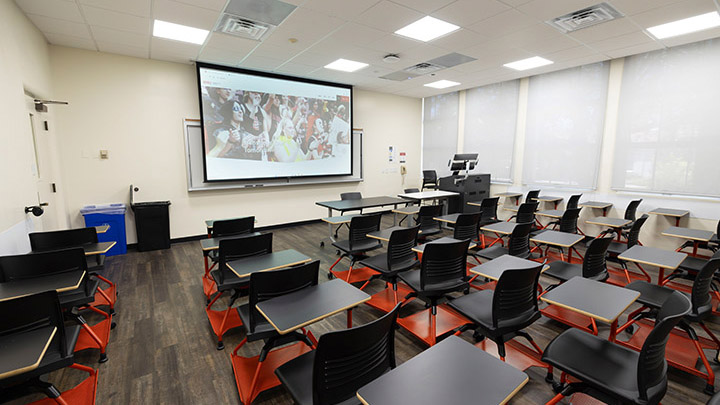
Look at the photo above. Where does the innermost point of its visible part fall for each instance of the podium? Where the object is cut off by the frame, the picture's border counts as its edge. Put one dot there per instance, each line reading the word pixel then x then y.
pixel 473 188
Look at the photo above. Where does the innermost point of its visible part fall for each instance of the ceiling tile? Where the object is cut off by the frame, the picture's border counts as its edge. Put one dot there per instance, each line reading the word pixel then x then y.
pixel 460 39
pixel 622 41
pixel 547 10
pixel 274 52
pixel 674 12
pixel 356 34
pixel 503 24
pixel 342 9
pixel 392 43
pixel 515 3
pixel 630 7
pixel 230 43
pixel 260 63
pixel 122 49
pixel 70 41
pixel 179 13
pixel 292 68
pixel 174 51
pixel 117 20
pixel 139 8
pixel 388 17
pixel 217 5
pixel 221 56
pixel 312 59
pixel 633 50
pixel 605 30
pixel 571 53
pixel 425 6
pixel 307 26
pixel 56 26
pixel 61 9
pixel 467 12
pixel 109 35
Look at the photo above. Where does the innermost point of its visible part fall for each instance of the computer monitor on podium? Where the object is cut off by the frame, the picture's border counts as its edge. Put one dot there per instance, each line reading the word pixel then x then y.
pixel 463 161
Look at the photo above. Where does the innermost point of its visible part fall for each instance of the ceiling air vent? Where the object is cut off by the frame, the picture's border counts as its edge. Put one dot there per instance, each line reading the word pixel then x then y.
pixel 242 27
pixel 586 17
pixel 423 68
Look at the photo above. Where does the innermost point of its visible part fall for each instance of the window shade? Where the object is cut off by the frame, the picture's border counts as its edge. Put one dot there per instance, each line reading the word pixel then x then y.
pixel 440 131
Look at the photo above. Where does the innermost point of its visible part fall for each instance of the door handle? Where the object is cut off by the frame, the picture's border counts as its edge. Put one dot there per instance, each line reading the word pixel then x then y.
pixel 44 204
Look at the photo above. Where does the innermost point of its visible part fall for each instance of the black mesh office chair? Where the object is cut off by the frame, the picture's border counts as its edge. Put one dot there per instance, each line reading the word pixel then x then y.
pixel 35 314
pixel 617 248
pixel 466 226
pixel 430 180
pixel 612 373
pixel 416 203
pixel 488 210
pixel 356 247
pixel 518 245
pixel 344 362
pixel 532 195
pixel 227 280
pixel 426 220
pixel 526 213
pixel 573 201
pixel 594 265
pixel 502 314
pixel 398 258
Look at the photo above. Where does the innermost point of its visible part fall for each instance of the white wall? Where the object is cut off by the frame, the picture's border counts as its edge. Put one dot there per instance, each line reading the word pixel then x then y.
pixel 24 67
pixel 135 107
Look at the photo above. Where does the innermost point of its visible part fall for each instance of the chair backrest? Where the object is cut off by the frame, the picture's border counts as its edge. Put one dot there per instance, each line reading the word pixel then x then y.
pixel 652 367
pixel 568 222
pixel 237 226
pixel 442 262
pixel 466 226
pixel 34 312
pixel 347 360
pixel 429 176
pixel 270 284
pixel 240 248
pixel 488 209
pixel 631 209
pixel 515 297
pixel 362 225
pixel 526 212
pixel 519 242
pixel 355 195
pixel 532 195
pixel 55 240
pixel 399 250
pixel 40 264
pixel 717 231
pixel 411 190
pixel 426 214
pixel 634 232
pixel 700 296
pixel 573 201
pixel 594 265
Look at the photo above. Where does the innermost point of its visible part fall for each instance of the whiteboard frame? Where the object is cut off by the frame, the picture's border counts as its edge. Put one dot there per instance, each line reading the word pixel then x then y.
pixel 279 182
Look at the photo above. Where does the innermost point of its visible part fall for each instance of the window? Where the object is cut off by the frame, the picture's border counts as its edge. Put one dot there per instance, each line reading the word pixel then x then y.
pixel 667 135
pixel 440 130
pixel 490 125
pixel 565 120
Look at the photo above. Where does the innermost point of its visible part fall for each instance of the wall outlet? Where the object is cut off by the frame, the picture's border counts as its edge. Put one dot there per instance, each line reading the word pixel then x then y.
pixel 104 154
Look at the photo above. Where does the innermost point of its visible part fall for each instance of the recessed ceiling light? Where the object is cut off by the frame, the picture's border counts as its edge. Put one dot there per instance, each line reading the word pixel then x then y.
pixel 442 84
pixel 427 29
pixel 686 26
pixel 528 63
pixel 346 65
pixel 164 29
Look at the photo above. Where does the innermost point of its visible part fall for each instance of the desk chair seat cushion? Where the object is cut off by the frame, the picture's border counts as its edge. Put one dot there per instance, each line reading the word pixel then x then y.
pixel 653 295
pixel 296 375
pixel 692 264
pixel 412 279
pixel 616 248
pixel 263 328
pixel 493 252
pixel 379 263
pixel 563 271
pixel 358 247
pixel 614 367
pixel 478 308
pixel 96 263
pixel 79 297
pixel 230 281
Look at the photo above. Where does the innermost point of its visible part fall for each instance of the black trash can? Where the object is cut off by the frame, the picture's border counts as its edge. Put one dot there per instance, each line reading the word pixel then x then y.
pixel 152 223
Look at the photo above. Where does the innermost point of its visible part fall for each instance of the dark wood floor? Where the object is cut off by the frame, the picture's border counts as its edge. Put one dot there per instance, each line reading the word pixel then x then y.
pixel 163 350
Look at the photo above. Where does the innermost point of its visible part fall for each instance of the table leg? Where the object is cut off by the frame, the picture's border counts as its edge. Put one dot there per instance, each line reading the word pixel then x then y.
pixel 677 221
pixel 695 248
pixel 604 211
pixel 661 275
pixel 613 331
pixel 349 318
pixel 394 218
pixel 569 255
pixel 517 200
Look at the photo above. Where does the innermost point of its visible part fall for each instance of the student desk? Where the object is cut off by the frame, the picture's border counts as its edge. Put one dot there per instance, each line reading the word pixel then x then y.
pixel 672 213
pixel 692 237
pixel 271 261
pixel 614 223
pixel 510 195
pixel 431 195
pixel 101 228
pixel 60 282
pixel 600 205
pixel 555 214
pixel 663 259
pixel 290 312
pixel 210 244
pixel 453 372
pixel 445 239
pixel 99 248
pixel 496 267
pixel 599 301
pixel 449 218
pixel 560 240
pixel 22 352
pixel 338 220
pixel 500 229
pixel 547 198
pixel 406 211
pixel 352 205
pixel 384 234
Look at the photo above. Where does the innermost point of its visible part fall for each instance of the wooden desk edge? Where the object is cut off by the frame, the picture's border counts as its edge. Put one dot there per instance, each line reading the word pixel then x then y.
pixel 605 224
pixel 495 230
pixel 34 365
pixel 598 206
pixel 416 250
pixel 665 214
pixel 516 390
pixel 102 252
pixel 608 321
pixel 378 238
pixel 686 237
pixel 652 264
pixel 548 215
pixel 336 222
pixel 493 277
pixel 444 220
pixel 273 268
pixel 63 289
pixel 557 244
pixel 310 322
pixel 357 394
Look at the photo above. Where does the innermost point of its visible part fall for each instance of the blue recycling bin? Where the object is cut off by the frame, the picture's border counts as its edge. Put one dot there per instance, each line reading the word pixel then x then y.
pixel 112 215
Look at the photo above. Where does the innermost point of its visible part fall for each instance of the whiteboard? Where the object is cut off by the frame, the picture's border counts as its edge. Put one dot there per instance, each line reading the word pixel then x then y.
pixel 196 179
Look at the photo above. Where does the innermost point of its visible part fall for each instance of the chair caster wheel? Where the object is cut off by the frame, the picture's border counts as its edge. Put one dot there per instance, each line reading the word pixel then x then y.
pixel 220 345
pixel 630 329
pixel 103 358
pixel 337 253
pixel 709 389
pixel 557 387
pixel 466 292
pixel 549 378
pixel 322 244
pixel 113 325
pixel 112 312
pixel 478 337
pixel 331 276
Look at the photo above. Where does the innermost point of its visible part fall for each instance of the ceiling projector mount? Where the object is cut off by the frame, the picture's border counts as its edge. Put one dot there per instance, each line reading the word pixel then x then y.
pixel 391 58
pixel 41 105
